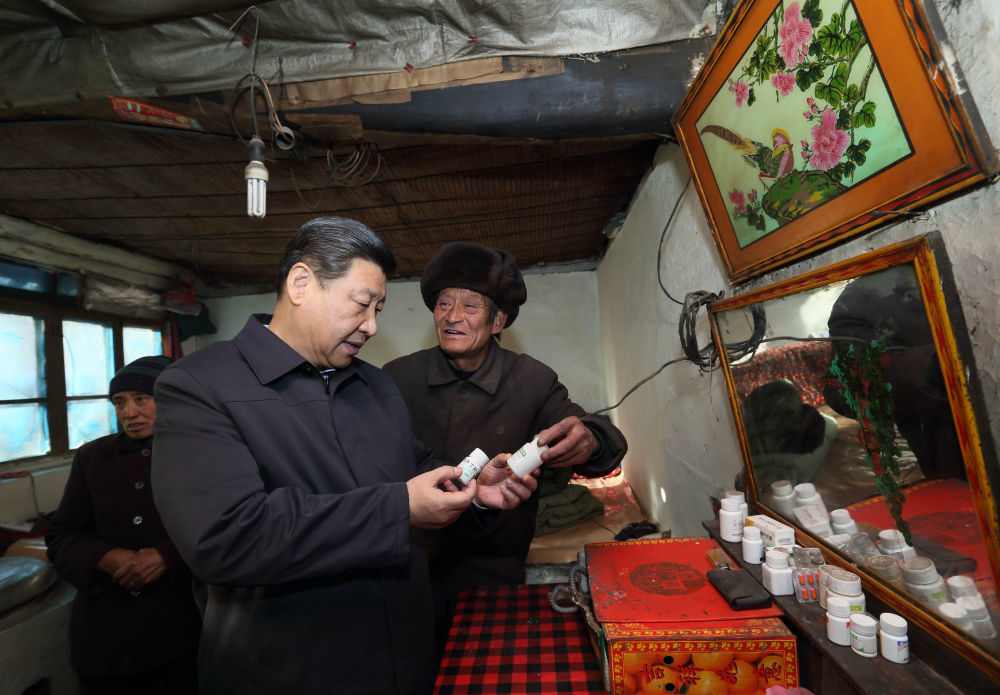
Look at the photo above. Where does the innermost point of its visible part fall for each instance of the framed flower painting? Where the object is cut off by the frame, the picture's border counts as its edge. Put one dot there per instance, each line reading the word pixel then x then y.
pixel 814 120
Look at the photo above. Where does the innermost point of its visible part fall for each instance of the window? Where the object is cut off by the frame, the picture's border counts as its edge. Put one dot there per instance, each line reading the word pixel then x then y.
pixel 22 388
pixel 88 365
pixel 57 362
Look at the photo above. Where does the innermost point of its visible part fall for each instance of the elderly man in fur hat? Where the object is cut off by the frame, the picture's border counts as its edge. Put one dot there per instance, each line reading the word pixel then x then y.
pixel 469 392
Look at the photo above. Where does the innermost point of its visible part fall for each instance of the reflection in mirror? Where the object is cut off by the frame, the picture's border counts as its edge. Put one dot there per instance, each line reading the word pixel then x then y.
pixel 848 405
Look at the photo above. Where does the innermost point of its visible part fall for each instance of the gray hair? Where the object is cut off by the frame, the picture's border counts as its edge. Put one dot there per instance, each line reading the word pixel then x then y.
pixel 328 245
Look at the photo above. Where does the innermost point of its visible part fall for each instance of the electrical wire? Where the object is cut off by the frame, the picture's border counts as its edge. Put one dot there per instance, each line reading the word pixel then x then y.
pixel 643 381
pixel 274 120
pixel 359 168
pixel 707 357
pixel 663 234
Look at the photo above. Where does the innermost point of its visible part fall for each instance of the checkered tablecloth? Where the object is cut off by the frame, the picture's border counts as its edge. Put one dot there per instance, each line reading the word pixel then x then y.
pixel 509 640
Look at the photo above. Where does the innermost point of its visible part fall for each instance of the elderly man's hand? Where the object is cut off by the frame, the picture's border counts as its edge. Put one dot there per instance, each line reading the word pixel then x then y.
pixel 434 508
pixel 570 443
pixel 499 488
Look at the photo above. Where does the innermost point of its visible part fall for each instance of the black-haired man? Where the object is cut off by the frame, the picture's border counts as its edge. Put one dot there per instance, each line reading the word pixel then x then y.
pixel 287 473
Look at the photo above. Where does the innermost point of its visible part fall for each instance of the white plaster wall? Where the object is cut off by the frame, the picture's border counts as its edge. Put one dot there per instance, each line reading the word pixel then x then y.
pixel 682 442
pixel 557 325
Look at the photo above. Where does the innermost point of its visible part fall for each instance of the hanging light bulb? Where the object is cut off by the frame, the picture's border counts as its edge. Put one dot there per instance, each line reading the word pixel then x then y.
pixel 256 176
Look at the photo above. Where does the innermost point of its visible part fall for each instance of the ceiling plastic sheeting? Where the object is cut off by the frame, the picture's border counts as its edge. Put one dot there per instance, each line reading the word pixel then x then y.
pixel 55 52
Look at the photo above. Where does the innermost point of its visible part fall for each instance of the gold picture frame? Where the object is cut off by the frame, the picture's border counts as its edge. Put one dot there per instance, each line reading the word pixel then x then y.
pixel 814 120
pixel 791 316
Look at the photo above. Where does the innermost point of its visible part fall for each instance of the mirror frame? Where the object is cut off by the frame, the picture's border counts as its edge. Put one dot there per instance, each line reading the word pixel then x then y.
pixel 951 339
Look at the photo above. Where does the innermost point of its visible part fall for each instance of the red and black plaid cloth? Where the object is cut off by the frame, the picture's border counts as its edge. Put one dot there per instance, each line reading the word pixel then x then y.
pixel 509 640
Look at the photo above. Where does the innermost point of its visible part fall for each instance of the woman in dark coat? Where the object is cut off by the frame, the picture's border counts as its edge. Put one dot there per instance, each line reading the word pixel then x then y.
pixel 134 626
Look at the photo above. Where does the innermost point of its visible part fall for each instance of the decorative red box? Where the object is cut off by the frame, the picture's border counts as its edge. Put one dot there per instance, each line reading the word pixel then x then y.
pixel 664 629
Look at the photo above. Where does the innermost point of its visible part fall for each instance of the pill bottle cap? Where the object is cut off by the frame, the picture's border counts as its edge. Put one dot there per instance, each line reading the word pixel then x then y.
pixel 962 585
pixel 751 533
pixel 804 490
pixel 782 488
pixel 841 516
pixel 736 495
pixel 824 573
pixel 918 570
pixel 843 582
pixel 478 457
pixel 892 624
pixel 885 566
pixel 862 623
pixel 891 539
pixel 953 611
pixel 776 559
pixel 730 504
pixel 839 606
pixel 974 606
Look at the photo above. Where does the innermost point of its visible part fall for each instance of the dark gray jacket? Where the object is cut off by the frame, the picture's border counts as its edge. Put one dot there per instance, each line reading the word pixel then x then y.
pixel 506 402
pixel 285 492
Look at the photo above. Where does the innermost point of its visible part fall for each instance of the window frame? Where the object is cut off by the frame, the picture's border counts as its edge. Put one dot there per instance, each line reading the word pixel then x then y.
pixel 56 402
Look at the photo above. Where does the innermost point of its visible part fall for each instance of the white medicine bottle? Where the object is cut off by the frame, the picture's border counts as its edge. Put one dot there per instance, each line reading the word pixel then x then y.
pixel 753 546
pixel 730 520
pixel 892 542
pixel 956 614
pixel 805 494
pixel 961 585
pixel 892 638
pixel 841 521
pixel 783 496
pixel 776 575
pixel 527 458
pixel 741 498
pixel 846 585
pixel 472 465
pixel 887 567
pixel 863 639
pixel 838 621
pixel 923 582
pixel 979 615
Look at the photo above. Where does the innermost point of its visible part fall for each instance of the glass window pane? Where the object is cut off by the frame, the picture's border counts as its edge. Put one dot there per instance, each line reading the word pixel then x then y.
pixel 22 370
pixel 89 420
pixel 22 277
pixel 24 431
pixel 88 357
pixel 67 285
pixel 141 342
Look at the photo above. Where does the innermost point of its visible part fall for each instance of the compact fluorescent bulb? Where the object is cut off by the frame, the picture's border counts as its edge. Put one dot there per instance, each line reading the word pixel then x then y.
pixel 256 176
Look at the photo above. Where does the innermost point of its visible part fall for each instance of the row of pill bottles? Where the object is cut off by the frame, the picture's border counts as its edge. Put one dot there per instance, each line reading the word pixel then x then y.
pixel 864 635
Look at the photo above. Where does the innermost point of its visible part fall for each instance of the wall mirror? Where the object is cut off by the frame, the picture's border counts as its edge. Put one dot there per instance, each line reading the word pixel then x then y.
pixel 862 384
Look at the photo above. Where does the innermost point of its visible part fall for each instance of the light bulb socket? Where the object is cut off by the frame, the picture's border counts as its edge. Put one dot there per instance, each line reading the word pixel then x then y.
pixel 256 149
pixel 256 170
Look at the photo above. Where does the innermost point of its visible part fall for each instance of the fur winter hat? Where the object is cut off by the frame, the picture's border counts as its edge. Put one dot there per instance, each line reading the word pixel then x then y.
pixel 491 272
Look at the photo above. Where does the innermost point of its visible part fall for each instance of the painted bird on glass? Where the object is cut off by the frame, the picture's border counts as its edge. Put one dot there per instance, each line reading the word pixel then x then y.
pixel 791 193
pixel 773 162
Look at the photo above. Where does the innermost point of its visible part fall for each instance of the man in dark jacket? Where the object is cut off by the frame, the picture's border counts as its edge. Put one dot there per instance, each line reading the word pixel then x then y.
pixel 289 478
pixel 469 392
pixel 134 625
